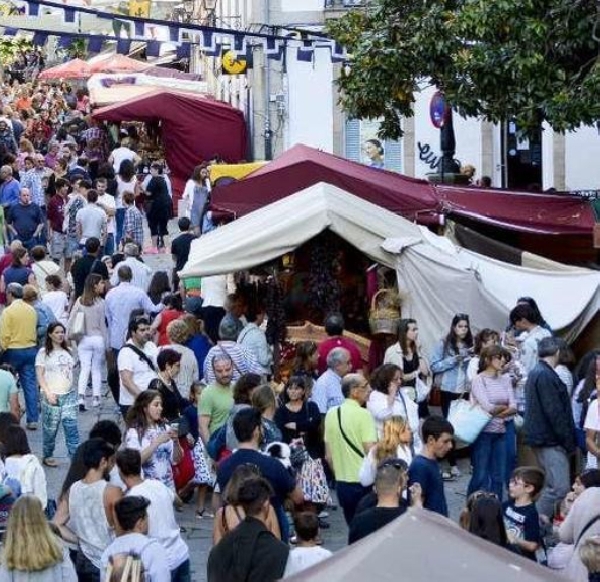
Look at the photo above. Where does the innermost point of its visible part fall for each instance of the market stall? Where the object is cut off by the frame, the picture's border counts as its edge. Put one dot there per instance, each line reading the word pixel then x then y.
pixel 192 128
pixel 436 278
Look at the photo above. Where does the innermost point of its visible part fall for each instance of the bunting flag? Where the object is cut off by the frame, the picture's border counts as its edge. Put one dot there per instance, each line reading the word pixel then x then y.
pixel 137 26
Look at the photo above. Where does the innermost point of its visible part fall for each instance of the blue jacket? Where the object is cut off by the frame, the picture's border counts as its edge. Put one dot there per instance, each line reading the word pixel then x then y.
pixel 548 418
pixel 454 374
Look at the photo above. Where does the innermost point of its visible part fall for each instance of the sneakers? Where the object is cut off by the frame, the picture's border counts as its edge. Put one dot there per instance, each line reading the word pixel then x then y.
pixel 31 426
pixel 81 404
pixel 455 472
pixel 96 402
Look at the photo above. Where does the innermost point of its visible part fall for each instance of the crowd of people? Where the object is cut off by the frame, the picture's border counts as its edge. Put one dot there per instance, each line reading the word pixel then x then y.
pixel 190 368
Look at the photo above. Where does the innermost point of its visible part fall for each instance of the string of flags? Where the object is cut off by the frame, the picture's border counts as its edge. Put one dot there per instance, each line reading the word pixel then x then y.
pixel 211 40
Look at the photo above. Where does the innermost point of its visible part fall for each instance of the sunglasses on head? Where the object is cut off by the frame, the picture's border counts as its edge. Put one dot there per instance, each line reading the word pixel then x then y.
pixel 399 464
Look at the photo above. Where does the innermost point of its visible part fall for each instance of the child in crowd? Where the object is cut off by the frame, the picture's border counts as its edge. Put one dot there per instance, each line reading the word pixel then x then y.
pixel 307 552
pixel 201 480
pixel 521 517
pixel 589 552
pixel 482 517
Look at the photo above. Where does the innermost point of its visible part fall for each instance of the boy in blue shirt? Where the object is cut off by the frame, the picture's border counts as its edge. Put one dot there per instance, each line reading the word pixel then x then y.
pixel 521 517
pixel 425 470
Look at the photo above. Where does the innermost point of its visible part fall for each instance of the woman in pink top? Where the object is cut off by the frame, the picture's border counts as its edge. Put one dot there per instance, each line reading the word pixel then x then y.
pixel 492 390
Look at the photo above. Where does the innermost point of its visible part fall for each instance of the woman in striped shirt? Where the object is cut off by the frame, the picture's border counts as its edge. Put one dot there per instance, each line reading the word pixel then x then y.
pixel 492 390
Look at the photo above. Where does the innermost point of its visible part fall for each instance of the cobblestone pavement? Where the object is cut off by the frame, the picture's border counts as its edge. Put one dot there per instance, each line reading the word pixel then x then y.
pixel 197 532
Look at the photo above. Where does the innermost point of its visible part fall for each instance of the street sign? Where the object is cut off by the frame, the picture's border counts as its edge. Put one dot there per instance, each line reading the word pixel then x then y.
pixel 437 109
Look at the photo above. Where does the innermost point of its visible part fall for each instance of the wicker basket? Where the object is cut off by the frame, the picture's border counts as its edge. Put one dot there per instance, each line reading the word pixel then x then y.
pixel 384 317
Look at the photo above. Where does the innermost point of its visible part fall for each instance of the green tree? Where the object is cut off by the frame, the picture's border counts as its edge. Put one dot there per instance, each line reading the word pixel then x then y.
pixel 531 60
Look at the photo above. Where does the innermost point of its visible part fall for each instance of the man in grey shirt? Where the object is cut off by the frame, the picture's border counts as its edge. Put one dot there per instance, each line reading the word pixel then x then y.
pixel 91 220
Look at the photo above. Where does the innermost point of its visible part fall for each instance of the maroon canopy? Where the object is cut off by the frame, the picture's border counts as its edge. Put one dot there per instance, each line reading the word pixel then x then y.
pixel 521 211
pixel 193 129
pixel 302 166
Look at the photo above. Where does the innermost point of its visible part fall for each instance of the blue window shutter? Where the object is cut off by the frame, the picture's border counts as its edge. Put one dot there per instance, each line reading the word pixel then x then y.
pixel 352 140
pixel 393 155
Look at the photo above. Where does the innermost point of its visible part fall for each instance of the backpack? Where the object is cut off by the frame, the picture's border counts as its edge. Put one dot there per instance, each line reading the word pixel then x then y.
pixel 45 316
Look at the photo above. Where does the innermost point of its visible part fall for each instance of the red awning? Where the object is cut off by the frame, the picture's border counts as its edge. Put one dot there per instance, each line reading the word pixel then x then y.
pixel 193 129
pixel 116 63
pixel 520 211
pixel 302 166
pixel 74 69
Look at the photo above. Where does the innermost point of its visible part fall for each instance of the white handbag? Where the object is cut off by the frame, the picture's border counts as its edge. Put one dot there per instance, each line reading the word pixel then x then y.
pixel 468 420
pixel 76 329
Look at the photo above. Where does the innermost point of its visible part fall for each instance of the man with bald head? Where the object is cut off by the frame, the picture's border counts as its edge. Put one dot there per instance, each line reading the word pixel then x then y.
pixel 25 220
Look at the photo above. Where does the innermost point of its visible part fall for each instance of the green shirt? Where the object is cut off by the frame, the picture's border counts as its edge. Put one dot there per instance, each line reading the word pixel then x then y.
pixel 359 427
pixel 8 387
pixel 216 402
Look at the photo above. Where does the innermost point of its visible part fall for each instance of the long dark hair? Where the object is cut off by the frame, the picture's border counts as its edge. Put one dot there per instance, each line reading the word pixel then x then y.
pixel 451 340
pixel 402 339
pixel 49 345
pixel 589 383
pixel 89 295
pixel 136 416
pixel 485 518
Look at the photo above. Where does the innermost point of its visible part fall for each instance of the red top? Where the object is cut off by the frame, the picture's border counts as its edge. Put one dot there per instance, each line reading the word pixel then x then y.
pixel 339 342
pixel 166 317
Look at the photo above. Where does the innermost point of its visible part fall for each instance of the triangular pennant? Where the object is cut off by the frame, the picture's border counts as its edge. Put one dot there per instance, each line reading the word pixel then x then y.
pixel 153 48
pixel 249 56
pixel 33 8
pixel 184 50
pixel 239 43
pixel 174 33
pixel 305 54
pixel 95 44
pixel 123 46
pixel 10 31
pixel 139 28
pixel 64 41
pixel 39 38
pixel 69 15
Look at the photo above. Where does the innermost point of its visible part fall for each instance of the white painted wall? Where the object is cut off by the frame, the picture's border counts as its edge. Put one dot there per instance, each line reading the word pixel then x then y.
pixel 302 5
pixel 582 170
pixel 468 137
pixel 547 157
pixel 310 101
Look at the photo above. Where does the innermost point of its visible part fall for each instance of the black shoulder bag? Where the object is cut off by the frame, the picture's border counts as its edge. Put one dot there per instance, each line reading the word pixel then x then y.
pixel 345 437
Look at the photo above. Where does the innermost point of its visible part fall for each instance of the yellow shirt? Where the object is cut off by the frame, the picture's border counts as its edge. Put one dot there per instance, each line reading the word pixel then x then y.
pixel 18 326
pixel 359 427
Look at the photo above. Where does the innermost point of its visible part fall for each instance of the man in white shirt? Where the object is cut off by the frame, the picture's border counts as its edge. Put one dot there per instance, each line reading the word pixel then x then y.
pixel 91 220
pixel 136 362
pixel 108 204
pixel 122 153
pixel 162 525
pixel 140 272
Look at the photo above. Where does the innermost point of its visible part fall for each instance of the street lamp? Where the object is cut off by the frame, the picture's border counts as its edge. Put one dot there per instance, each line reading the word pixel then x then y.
pixel 209 9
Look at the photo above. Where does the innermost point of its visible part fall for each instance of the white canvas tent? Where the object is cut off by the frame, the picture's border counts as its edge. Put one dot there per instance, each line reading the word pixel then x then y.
pixel 439 278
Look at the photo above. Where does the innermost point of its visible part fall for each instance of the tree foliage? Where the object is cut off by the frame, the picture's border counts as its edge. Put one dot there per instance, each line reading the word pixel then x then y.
pixel 532 60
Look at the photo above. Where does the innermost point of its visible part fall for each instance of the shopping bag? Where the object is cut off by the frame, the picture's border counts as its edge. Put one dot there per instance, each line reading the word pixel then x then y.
pixel 468 420
pixel 313 481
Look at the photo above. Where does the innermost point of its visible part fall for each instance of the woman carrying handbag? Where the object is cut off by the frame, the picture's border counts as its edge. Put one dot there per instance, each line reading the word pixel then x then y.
pixel 492 391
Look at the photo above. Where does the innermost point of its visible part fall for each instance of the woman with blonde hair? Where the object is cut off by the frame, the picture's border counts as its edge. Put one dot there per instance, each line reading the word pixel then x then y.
pixel 393 444
pixel 178 333
pixel 32 552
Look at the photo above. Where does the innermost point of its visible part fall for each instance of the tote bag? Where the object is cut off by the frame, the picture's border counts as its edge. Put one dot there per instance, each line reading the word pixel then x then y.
pixel 468 420
pixel 76 329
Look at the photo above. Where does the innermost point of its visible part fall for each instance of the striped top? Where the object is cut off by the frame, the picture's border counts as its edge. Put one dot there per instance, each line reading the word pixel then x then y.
pixel 491 391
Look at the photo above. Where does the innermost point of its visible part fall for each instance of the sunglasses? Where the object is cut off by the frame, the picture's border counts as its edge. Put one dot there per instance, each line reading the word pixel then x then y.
pixel 399 464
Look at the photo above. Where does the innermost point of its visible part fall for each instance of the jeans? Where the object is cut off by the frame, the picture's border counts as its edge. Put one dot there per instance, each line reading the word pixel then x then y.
pixel 555 463
pixel 23 361
pixel 488 456
pixel 86 571
pixel 511 449
pixel 181 573
pixel 120 220
pixel 447 399
pixel 65 411
pixel 109 245
pixel 92 358
pixel 349 494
